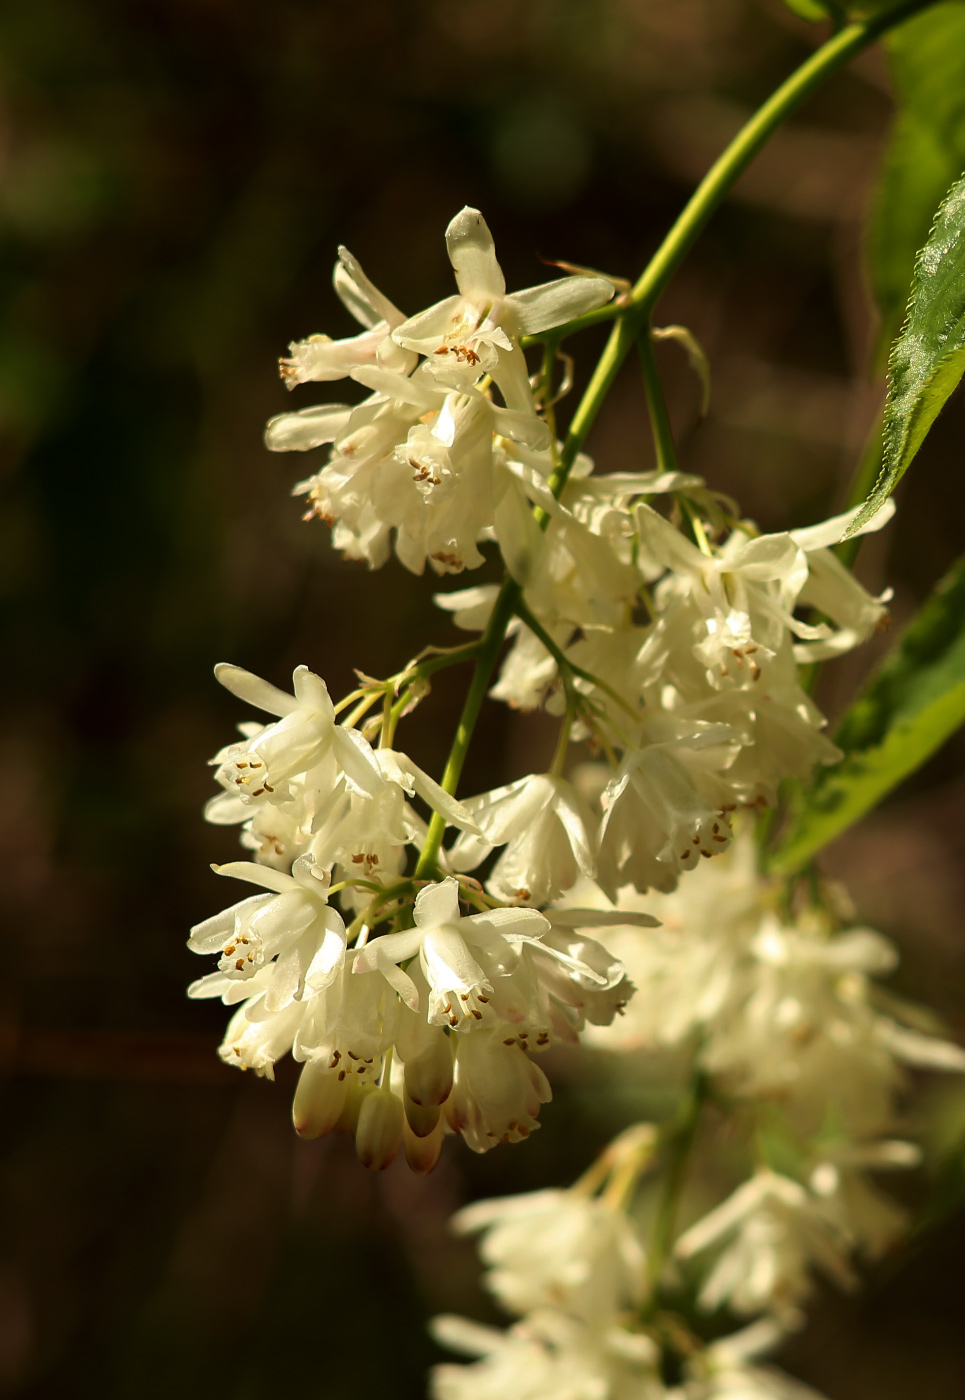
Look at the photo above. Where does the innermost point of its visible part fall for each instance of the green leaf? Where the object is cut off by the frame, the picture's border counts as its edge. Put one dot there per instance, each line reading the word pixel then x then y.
pixel 910 706
pixel 808 9
pixel 928 358
pixel 925 155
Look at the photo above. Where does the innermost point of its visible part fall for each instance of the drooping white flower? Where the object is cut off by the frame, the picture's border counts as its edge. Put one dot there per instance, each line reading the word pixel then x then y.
pixel 288 940
pixel 305 736
pixel 497 1090
pixel 656 824
pixel 546 827
pixel 475 332
pixel 321 358
pixel 773 1233
pixel 547 1356
pixel 560 1249
pixel 451 949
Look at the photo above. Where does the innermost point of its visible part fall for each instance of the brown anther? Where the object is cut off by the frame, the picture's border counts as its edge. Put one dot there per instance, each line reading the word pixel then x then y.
pixel 240 763
pixel 542 1038
pixel 696 840
pixel 268 788
pixel 357 860
pixel 443 350
pixel 453 1021
pixel 510 1041
pixel 708 854
pixel 257 792
pixel 360 1070
pixel 229 949
pixel 484 1000
pixel 256 764
pixel 341 1075
pixel 352 1055
pixel 463 996
pixel 240 965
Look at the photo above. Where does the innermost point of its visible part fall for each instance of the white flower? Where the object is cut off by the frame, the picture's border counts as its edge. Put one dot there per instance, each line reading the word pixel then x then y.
pixel 655 822
pixel 560 1249
pixel 305 736
pixel 288 940
pixel 474 332
pixel 320 357
pixel 450 949
pixel 775 1233
pixel 497 1091
pixel 548 1356
pixel 545 825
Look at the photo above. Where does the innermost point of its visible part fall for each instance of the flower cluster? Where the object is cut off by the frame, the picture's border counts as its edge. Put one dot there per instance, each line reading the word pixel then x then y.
pixel 409 1033
pixel 780 1024
pixel 426 457
pixel 674 657
pixel 416 980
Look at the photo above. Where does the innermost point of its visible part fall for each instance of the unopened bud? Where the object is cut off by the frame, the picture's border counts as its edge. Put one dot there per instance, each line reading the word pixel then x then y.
pixel 428 1077
pixel 421 1118
pixel 319 1100
pixel 422 1153
pixel 378 1136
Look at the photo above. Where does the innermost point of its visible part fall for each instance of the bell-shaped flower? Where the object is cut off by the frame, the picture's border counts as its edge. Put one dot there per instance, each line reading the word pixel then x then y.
pixel 497 1090
pixel 559 1249
pixel 546 826
pixel 321 358
pixel 256 1038
pixel 458 956
pixel 476 331
pixel 291 940
pixel 656 823
pixel 305 736
pixel 547 1356
pixel 366 836
pixel 558 985
pixel 772 1232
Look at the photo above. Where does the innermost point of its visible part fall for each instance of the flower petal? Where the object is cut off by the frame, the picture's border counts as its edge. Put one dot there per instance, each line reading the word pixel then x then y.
pixel 472 253
pixel 539 308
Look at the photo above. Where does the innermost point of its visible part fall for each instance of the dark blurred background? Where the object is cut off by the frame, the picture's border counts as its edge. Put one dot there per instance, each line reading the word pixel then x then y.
pixel 174 180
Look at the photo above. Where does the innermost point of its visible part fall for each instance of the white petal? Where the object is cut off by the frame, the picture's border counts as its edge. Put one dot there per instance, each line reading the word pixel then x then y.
pixel 473 256
pixel 253 690
pixel 455 813
pixel 357 760
pixel 360 296
pixel 829 532
pixel 540 308
pixel 263 875
pixel 311 427
pixel 601 918
pixel 437 904
pixel 401 387
pixel 509 923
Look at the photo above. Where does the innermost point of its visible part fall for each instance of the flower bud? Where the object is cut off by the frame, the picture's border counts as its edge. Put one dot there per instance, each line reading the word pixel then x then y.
pixel 319 1100
pixel 428 1077
pixel 378 1136
pixel 421 1119
pixel 422 1153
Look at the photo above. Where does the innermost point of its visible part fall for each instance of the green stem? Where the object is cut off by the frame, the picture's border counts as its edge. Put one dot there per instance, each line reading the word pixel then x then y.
pixel 718 181
pixel 490 644
pixel 838 51
pixel 663 442
pixel 683 1136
